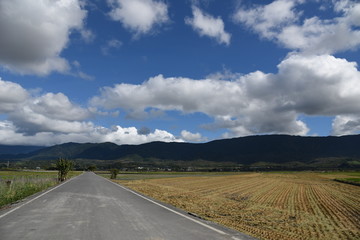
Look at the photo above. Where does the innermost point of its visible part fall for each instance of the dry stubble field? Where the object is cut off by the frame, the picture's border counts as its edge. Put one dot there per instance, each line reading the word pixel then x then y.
pixel 265 205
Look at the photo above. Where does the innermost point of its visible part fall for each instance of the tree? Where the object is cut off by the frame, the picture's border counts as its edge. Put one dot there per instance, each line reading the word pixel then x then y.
pixel 63 166
pixel 114 172
pixel 92 168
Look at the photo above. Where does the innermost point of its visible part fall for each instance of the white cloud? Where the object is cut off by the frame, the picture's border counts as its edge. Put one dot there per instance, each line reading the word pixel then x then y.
pixel 254 103
pixel 267 20
pixel 58 106
pixel 279 21
pixel 207 25
pixel 131 136
pixel 34 33
pixel 192 137
pixel 182 94
pixel 111 45
pixel 87 35
pixel 84 76
pixel 50 112
pixel 51 118
pixel 11 94
pixel 78 73
pixel 139 16
pixel 320 85
pixel 250 101
pixel 10 134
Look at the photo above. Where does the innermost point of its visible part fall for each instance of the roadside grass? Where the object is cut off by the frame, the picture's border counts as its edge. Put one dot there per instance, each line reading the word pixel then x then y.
pixel 289 205
pixel 17 185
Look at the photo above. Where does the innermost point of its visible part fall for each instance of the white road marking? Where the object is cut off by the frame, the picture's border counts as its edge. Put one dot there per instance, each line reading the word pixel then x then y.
pixel 171 210
pixel 235 238
pixel 13 210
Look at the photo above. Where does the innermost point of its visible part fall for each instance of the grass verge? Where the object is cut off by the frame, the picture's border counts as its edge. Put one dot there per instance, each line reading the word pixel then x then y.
pixel 17 185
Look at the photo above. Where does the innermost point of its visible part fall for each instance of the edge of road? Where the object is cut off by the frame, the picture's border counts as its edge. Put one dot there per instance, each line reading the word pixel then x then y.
pixel 223 230
pixel 12 207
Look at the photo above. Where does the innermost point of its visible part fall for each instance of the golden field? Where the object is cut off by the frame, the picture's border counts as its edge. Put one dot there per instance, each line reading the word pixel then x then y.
pixel 265 205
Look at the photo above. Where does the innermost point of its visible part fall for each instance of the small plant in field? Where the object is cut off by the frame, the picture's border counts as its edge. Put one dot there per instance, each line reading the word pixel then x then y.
pixel 8 184
pixel 114 172
pixel 63 166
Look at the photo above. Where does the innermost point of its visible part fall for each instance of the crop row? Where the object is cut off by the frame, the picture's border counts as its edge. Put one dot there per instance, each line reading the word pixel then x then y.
pixel 269 206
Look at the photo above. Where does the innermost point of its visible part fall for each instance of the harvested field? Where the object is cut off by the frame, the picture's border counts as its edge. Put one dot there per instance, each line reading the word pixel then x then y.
pixel 265 205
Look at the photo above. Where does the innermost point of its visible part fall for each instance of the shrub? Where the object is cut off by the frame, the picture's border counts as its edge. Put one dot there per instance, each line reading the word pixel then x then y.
pixel 92 168
pixel 114 172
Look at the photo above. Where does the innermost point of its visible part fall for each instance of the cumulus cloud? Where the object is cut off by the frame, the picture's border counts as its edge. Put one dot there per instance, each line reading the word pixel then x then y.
pixel 280 21
pixel 139 16
pixel 34 33
pixel 207 25
pixel 11 94
pixel 255 103
pixel 50 112
pixel 10 134
pixel 131 136
pixel 182 94
pixel 192 137
pixel 320 85
pixel 249 102
pixel 51 118
pixel 269 19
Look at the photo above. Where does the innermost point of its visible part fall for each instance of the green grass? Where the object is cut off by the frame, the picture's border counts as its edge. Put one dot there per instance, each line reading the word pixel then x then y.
pixel 25 183
pixel 352 179
pixel 348 173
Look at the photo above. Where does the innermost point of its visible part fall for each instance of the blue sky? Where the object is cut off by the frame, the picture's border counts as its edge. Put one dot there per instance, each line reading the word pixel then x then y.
pixel 135 71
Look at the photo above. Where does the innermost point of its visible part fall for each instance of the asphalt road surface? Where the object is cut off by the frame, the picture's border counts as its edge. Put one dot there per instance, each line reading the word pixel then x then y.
pixel 91 207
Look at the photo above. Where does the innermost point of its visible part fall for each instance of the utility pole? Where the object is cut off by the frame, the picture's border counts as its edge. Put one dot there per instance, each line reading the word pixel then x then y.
pixel 8 164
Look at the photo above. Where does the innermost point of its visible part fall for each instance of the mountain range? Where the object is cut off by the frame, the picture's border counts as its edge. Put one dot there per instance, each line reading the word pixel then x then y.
pixel 274 149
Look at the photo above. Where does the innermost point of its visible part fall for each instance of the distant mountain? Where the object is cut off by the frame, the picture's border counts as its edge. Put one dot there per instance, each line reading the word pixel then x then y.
pixel 67 150
pixel 12 150
pixel 280 149
pixel 267 148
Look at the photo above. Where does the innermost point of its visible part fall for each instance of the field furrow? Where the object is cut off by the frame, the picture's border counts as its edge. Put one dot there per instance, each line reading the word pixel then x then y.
pixel 268 206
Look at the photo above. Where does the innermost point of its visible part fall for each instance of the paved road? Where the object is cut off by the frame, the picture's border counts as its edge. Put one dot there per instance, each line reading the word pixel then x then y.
pixel 91 207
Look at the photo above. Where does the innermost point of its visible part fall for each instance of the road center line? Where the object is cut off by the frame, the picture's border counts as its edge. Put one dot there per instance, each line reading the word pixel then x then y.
pixel 169 209
pixel 52 189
